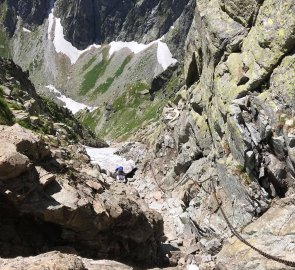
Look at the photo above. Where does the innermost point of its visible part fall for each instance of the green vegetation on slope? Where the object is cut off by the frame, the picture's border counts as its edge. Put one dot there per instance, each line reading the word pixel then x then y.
pixel 4 45
pixel 105 86
pixel 6 116
pixel 91 76
pixel 89 63
pixel 91 119
pixel 131 110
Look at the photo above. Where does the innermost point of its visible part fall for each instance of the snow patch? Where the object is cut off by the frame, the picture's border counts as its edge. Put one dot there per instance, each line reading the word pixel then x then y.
pixel 71 104
pixel 164 55
pixel 50 25
pixel 132 46
pixel 192 267
pixel 26 30
pixel 60 43
pixel 107 160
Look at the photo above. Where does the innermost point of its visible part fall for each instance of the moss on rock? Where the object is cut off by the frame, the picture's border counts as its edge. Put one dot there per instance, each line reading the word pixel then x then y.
pixel 6 116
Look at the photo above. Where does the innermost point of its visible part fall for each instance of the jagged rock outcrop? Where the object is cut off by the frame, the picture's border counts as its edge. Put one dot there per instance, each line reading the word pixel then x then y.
pixel 40 114
pixel 232 125
pixel 48 38
pixel 88 22
pixel 32 12
pixel 276 238
pixel 52 198
pixel 70 207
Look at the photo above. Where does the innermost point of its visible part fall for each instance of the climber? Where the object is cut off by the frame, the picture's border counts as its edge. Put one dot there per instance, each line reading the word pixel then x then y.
pixel 120 175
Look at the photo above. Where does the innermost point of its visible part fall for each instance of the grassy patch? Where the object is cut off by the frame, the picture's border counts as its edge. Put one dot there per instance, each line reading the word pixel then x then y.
pixel 106 85
pixel 123 65
pixel 15 106
pixel 4 40
pixel 131 111
pixel 90 119
pixel 4 45
pixel 6 116
pixel 90 62
pixel 91 76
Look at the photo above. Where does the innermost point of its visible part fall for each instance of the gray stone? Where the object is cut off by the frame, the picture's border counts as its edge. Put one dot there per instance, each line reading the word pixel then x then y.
pixel 211 247
pixel 241 11
pixel 264 127
pixel 279 146
pixel 271 233
pixel 12 163
pixel 250 160
pixel 254 133
pixel 6 90
pixel 236 196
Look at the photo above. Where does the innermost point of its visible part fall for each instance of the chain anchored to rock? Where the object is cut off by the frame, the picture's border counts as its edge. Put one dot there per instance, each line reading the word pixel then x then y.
pixel 233 230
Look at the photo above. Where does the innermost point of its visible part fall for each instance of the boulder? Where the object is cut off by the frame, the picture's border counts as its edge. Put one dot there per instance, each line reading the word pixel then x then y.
pixel 60 261
pixel 47 261
pixel 26 142
pixel 105 265
pixel 12 163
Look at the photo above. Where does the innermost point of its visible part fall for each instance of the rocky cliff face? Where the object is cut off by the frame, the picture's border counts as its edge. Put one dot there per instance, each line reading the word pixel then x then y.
pixel 21 104
pixel 88 22
pixel 32 12
pixel 232 125
pixel 240 87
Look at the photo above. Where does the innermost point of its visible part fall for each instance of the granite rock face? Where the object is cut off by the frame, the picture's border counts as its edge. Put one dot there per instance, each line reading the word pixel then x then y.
pixel 32 12
pixel 232 125
pixel 276 238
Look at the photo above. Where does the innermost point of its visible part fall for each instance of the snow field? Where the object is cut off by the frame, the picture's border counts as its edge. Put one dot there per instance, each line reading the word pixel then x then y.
pixel 71 104
pixel 61 44
pixel 106 159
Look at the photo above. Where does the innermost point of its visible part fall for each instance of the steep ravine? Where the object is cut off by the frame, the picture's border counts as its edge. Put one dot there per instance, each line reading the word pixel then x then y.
pixel 224 144
pixel 232 126
pixel 54 199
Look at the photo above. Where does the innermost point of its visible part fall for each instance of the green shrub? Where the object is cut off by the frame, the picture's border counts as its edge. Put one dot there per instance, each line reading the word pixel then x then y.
pixel 6 116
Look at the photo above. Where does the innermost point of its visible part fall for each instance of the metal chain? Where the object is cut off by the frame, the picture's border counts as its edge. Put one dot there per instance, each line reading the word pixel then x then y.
pixel 233 230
